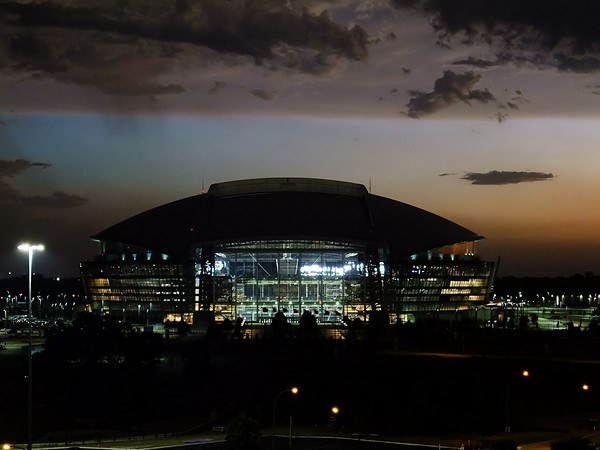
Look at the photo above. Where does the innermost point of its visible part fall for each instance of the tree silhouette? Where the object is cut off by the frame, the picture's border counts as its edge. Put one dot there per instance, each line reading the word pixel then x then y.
pixel 523 321
pixel 534 320
pixel 504 444
pixel 243 434
pixel 280 326
pixel 308 328
pixel 572 443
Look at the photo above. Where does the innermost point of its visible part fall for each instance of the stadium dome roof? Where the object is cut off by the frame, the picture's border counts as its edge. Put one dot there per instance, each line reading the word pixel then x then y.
pixel 287 208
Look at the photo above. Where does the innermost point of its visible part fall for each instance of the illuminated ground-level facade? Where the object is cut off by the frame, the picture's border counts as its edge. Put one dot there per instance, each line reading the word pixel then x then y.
pixel 250 249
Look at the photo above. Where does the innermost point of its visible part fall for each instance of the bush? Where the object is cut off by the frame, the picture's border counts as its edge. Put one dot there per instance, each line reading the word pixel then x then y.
pixel 243 434
pixel 572 443
pixel 504 444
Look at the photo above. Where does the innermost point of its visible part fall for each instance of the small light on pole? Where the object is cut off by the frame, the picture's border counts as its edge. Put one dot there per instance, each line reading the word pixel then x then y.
pixel 30 248
pixel 335 409
pixel 585 387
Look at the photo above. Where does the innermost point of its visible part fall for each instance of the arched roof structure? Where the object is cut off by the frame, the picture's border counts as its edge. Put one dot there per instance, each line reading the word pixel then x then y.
pixel 287 208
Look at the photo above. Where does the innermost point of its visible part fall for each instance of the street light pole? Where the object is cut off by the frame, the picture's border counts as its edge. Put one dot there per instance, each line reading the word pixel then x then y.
pixel 30 249
pixel 293 390
pixel 507 426
pixel 290 432
pixel 525 373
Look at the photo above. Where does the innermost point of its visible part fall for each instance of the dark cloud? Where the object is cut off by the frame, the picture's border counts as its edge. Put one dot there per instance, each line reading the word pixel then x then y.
pixel 11 197
pixel 58 199
pixel 496 177
pixel 481 95
pixel 216 87
pixel 513 101
pixel 448 89
pixel 446 174
pixel 87 58
pixel 303 60
pixel 143 89
pixel 42 165
pixel 476 62
pixel 500 117
pixel 8 194
pixel 534 31
pixel 262 94
pixel 123 47
pixel 554 21
pixel 585 64
pixel 11 168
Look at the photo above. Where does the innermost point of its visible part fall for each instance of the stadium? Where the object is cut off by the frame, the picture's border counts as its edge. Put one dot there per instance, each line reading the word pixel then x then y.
pixel 250 249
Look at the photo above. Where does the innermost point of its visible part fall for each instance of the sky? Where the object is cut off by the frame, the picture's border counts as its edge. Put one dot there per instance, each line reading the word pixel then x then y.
pixel 485 113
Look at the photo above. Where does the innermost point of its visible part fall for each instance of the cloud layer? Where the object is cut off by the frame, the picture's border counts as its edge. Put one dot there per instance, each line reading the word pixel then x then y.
pixel 125 47
pixel 558 33
pixel 243 56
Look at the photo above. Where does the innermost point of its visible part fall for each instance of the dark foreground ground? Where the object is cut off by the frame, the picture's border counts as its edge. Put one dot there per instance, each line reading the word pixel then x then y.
pixel 442 387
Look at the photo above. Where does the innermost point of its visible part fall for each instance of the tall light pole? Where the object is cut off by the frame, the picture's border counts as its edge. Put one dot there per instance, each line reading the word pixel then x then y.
pixel 30 248
pixel 524 373
pixel 293 390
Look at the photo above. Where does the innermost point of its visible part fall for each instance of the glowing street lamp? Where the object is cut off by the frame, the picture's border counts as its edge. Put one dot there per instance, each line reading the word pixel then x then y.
pixel 293 390
pixel 30 248
pixel 333 416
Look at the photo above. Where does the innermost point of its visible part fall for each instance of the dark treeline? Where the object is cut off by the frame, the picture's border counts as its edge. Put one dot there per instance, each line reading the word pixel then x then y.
pixel 575 289
pixel 41 286
pixel 53 298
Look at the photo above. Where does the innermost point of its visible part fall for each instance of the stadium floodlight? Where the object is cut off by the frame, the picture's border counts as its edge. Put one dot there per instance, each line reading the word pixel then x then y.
pixel 30 248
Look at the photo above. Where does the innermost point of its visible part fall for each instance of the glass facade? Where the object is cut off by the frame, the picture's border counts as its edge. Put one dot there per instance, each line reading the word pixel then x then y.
pixel 141 291
pixel 254 280
pixel 439 285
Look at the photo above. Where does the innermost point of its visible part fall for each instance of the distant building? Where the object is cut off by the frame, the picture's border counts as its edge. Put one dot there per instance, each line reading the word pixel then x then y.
pixel 252 248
